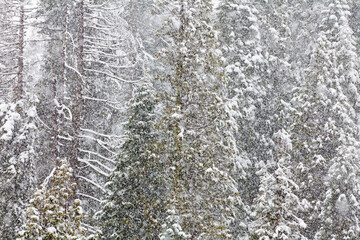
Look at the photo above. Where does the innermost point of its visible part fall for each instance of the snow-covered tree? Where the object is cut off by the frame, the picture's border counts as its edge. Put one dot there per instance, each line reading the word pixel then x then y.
pixel 199 146
pixel 87 68
pixel 136 205
pixel 325 129
pixel 340 209
pixel 144 18
pixel 313 132
pixel 53 86
pixel 246 68
pixel 53 212
pixel 276 207
pixel 279 79
pixel 245 64
pixel 17 167
pixel 18 130
pixel 8 50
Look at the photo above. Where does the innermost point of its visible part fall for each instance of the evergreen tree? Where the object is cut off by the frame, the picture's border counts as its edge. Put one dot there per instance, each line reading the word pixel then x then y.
pixel 313 134
pixel 135 207
pixel 86 67
pixel 276 207
pixel 279 79
pixel 53 213
pixel 144 18
pixel 18 134
pixel 8 49
pixel 18 129
pixel 199 148
pixel 325 130
pixel 53 86
pixel 340 208
pixel 246 68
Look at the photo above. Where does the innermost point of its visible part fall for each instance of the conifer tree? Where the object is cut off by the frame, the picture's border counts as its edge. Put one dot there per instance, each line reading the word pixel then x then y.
pixel 340 208
pixel 135 207
pixel 276 207
pixel 53 213
pixel 313 132
pixel 279 79
pixel 203 200
pixel 86 67
pixel 325 131
pixel 246 67
pixel 18 129
pixel 18 134
pixel 8 49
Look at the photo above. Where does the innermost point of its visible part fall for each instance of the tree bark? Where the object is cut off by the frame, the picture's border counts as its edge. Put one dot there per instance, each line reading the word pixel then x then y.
pixel 78 98
pixel 19 84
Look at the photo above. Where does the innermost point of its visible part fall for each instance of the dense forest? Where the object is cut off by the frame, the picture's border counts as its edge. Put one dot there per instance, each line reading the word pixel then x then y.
pixel 180 119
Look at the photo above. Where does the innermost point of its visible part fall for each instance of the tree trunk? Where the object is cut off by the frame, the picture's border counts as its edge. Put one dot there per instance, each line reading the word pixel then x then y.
pixel 19 84
pixel 78 98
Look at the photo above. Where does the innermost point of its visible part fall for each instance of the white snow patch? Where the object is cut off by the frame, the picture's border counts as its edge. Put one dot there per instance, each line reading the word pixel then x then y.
pixel 51 230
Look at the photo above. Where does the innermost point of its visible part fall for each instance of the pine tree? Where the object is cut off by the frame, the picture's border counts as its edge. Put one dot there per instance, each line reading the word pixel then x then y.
pixel 18 128
pixel 340 208
pixel 203 200
pixel 313 133
pixel 279 79
pixel 325 130
pixel 246 68
pixel 135 207
pixel 276 207
pixel 53 90
pixel 53 213
pixel 8 49
pixel 144 18
pixel 86 67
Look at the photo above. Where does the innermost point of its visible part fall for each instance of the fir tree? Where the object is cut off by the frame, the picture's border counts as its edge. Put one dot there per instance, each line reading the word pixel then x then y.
pixel 200 148
pixel 53 213
pixel 135 207
pixel 325 130
pixel 18 135
pixel 18 130
pixel 246 66
pixel 276 207
pixel 340 208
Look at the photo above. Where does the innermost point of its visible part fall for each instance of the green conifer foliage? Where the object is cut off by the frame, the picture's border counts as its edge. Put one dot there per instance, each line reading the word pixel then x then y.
pixel 18 136
pixel 200 148
pixel 135 207
pixel 53 213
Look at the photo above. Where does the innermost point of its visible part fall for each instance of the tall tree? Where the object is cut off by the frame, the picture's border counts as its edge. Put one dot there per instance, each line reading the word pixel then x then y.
pixel 246 68
pixel 9 49
pixel 53 90
pixel 204 200
pixel 135 208
pixel 276 207
pixel 111 65
pixel 337 220
pixel 18 129
pixel 325 129
pixel 86 68
pixel 17 167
